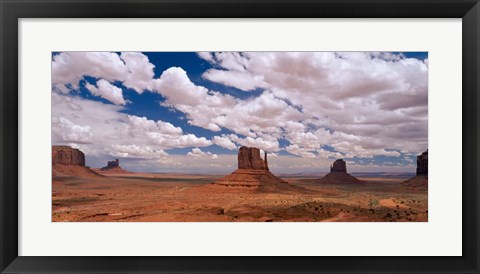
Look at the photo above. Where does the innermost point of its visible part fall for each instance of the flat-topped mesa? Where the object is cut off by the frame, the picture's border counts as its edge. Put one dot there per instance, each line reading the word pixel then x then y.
pixel 422 163
pixel 339 166
pixel 65 155
pixel 249 158
pixel 68 161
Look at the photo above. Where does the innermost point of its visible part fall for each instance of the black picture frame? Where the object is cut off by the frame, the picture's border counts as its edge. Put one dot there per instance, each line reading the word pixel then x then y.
pixel 12 10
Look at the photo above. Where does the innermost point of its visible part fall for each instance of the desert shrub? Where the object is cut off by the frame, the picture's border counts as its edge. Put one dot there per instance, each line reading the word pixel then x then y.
pixel 373 203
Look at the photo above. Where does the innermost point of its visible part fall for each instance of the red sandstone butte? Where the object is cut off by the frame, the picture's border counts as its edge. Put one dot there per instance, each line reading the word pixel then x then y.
pixel 253 172
pixel 69 162
pixel 66 155
pixel 249 158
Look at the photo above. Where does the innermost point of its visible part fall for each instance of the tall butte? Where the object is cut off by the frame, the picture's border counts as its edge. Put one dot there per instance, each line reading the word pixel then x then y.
pixel 253 173
pixel 338 174
pixel 421 178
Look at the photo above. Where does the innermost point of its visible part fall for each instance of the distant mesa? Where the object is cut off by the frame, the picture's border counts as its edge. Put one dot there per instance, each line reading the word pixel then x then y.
pixel 338 175
pixel 68 162
pixel 112 164
pixel 112 167
pixel 253 172
pixel 421 179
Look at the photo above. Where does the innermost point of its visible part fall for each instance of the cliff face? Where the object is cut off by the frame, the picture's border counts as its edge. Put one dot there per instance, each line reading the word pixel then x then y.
pixel 249 158
pixel 66 155
pixel 421 180
pixel 68 161
pixel 422 163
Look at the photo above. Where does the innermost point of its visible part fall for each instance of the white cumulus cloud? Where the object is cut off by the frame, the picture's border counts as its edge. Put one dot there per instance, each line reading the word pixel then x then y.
pixel 196 152
pixel 133 69
pixel 66 131
pixel 378 97
pixel 107 91
pixel 224 142
pixel 136 151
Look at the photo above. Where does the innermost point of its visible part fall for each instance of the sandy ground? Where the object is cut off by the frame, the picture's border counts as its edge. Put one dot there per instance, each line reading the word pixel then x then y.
pixel 190 198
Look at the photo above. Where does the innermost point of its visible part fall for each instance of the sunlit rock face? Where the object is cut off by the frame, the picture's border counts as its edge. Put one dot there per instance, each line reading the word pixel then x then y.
pixel 66 155
pixel 249 158
pixel 69 162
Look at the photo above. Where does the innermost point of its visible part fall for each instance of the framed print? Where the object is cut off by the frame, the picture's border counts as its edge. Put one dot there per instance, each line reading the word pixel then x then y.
pixel 158 160
pixel 236 136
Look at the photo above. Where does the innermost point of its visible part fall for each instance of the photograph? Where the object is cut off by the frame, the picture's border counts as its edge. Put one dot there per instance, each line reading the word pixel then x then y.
pixel 255 136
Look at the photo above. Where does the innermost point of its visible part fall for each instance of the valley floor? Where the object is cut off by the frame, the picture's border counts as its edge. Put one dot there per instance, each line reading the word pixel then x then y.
pixel 191 198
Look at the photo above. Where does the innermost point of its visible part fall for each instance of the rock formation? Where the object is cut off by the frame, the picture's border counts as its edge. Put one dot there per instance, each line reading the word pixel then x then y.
pixel 421 179
pixel 253 173
pixel 112 167
pixel 66 155
pixel 112 164
pixel 68 161
pixel 249 158
pixel 338 174
pixel 422 163
pixel 339 166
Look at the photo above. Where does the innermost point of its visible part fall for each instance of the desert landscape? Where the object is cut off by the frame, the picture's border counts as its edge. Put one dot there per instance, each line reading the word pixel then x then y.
pixel 250 194
pixel 254 136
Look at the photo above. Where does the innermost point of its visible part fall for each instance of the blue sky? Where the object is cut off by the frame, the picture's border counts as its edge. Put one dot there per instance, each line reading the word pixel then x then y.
pixel 188 111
